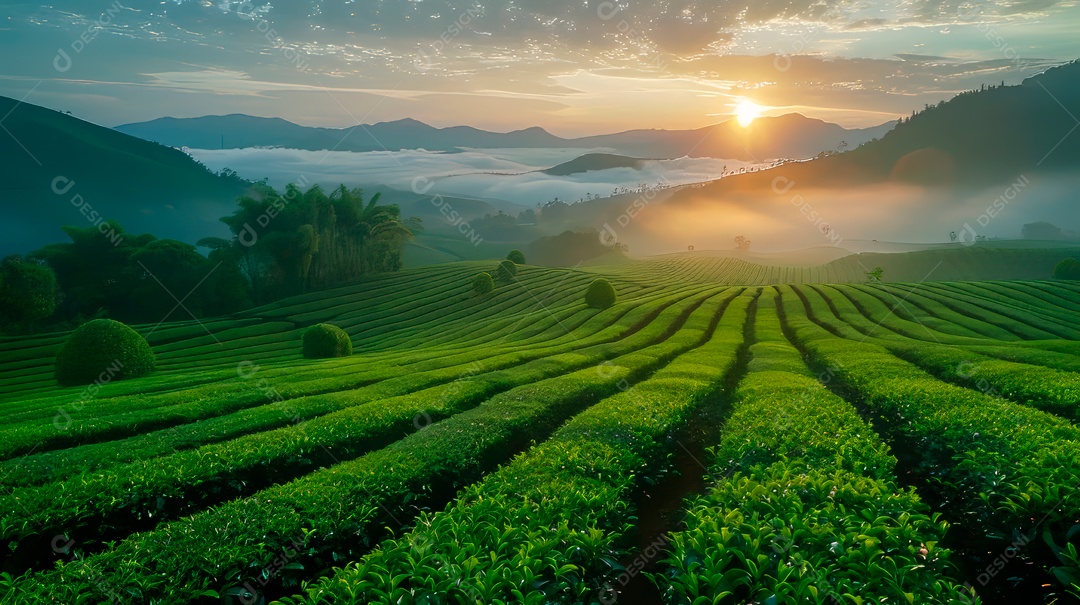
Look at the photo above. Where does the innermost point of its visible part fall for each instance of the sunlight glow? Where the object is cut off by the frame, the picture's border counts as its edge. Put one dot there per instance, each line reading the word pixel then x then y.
pixel 746 111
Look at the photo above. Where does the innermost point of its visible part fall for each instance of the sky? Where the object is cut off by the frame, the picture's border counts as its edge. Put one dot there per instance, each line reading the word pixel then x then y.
pixel 574 67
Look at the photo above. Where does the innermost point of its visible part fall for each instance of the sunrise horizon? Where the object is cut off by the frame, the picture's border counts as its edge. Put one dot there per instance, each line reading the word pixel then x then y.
pixel 605 67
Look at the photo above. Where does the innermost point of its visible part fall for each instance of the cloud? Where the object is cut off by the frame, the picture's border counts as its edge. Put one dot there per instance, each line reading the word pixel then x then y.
pixel 515 60
pixel 505 174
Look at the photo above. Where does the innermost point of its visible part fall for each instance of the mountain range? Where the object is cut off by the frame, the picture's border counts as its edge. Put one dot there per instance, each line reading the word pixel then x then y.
pixel 787 136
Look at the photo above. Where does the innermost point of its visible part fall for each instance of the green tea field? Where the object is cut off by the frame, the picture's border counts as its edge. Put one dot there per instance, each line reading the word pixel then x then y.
pixel 698 442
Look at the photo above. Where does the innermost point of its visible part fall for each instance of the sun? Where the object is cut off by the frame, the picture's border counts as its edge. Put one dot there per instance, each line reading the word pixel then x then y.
pixel 746 111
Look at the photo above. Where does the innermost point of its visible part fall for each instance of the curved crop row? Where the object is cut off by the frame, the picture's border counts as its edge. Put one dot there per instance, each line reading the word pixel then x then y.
pixel 546 527
pixel 894 317
pixel 1047 389
pixel 1017 302
pixel 999 465
pixel 97 419
pixel 847 305
pixel 1020 322
pixel 808 510
pixel 287 404
pixel 336 511
pixel 187 477
pixel 926 308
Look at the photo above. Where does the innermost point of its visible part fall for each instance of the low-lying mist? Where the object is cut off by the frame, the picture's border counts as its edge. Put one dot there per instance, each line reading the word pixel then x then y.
pixel 792 218
pixel 510 175
pixel 782 218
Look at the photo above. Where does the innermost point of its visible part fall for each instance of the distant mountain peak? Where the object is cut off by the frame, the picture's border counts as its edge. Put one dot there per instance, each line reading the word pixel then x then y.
pixel 594 161
pixel 405 122
pixel 529 130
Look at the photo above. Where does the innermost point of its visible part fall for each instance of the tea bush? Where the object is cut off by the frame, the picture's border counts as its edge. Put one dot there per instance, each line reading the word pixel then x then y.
pixel 482 284
pixel 506 270
pixel 101 351
pixel 325 340
pixel 600 295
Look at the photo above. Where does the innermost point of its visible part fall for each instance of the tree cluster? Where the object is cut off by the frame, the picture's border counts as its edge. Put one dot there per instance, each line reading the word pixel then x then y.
pixel 290 243
pixel 283 244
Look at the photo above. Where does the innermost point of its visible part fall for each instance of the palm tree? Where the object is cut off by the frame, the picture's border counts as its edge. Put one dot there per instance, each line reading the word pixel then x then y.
pixel 381 233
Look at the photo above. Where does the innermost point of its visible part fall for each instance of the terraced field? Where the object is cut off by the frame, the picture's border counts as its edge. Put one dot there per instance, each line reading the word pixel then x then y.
pixel 694 443
pixel 957 263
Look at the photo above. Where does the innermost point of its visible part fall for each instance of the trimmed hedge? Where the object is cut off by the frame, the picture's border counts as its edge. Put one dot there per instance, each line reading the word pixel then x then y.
pixel 506 270
pixel 324 340
pixel 1067 269
pixel 103 350
pixel 601 294
pixel 516 256
pixel 482 283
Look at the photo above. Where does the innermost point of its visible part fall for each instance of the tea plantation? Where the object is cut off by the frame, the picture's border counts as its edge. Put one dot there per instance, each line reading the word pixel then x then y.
pixel 685 441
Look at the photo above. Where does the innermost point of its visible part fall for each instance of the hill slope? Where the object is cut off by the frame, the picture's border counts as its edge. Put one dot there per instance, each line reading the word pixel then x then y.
pixel 65 171
pixel 791 135
pixel 593 161
pixel 977 138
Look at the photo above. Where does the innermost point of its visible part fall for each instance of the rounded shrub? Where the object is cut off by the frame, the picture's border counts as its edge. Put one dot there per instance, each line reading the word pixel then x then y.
pixel 482 283
pixel 1067 269
pixel 601 294
pixel 325 340
pixel 103 350
pixel 506 270
pixel 516 256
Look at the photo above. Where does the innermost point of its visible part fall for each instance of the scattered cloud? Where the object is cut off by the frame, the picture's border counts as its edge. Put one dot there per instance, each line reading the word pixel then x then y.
pixel 561 64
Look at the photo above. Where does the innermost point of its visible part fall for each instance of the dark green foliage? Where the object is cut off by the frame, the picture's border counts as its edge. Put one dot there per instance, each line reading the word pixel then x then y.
pixel 297 240
pixel 505 271
pixel 809 497
pixel 325 340
pixel 103 350
pixel 482 283
pixel 27 291
pixel 1042 230
pixel 601 294
pixel 284 244
pixel 516 256
pixel 1068 269
pixel 566 249
pixel 134 278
